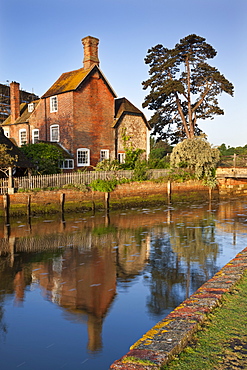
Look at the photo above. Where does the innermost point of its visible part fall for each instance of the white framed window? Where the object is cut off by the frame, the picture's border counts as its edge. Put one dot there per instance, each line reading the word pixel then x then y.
pixel 30 107
pixel 104 154
pixel 83 157
pixel 67 164
pixel 53 104
pixel 121 157
pixel 22 136
pixel 54 133
pixel 35 135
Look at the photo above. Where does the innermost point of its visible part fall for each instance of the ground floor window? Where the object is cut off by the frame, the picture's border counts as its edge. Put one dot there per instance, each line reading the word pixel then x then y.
pixel 104 154
pixel 83 157
pixel 67 164
pixel 121 157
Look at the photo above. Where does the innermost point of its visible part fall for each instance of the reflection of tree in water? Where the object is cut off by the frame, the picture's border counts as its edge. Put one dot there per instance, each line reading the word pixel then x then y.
pixel 165 274
pixel 195 242
pixel 3 326
pixel 181 262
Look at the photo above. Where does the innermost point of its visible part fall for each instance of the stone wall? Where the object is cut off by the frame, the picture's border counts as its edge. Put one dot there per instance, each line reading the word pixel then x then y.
pixel 232 186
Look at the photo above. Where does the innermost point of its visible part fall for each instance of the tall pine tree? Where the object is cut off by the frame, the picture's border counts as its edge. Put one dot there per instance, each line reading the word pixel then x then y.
pixel 183 88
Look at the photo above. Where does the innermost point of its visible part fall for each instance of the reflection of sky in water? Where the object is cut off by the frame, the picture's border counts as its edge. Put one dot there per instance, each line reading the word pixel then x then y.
pixel 82 304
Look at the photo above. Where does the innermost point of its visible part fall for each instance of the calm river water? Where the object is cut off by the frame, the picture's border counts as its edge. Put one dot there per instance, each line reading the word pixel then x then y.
pixel 76 292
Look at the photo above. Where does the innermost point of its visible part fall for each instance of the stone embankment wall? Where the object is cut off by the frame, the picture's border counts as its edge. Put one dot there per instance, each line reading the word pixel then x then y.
pixel 232 186
pixel 124 195
pixel 232 181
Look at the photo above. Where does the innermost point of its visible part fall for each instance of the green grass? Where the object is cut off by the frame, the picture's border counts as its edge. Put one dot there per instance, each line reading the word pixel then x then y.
pixel 222 341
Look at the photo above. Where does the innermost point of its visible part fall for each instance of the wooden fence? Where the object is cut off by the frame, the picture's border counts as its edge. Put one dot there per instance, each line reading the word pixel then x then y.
pixel 74 179
pixel 3 186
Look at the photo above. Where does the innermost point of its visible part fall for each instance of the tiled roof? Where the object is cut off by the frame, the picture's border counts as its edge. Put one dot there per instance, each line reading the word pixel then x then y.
pixel 124 106
pixel 24 114
pixel 68 81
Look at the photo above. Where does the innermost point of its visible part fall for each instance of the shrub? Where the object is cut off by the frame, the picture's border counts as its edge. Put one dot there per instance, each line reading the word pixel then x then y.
pixel 198 155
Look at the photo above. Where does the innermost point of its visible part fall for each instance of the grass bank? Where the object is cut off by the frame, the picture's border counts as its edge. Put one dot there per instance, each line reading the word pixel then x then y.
pixel 222 341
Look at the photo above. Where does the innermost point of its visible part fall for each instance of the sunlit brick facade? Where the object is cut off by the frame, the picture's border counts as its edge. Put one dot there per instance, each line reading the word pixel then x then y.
pixel 81 113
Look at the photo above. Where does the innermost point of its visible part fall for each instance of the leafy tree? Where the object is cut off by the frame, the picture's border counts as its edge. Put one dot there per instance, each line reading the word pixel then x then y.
pixel 183 88
pixel 198 155
pixel 6 160
pixel 45 156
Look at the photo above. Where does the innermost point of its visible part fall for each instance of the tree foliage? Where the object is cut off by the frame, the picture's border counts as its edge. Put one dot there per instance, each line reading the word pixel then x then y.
pixel 6 160
pixel 230 150
pixel 198 155
pixel 183 88
pixel 44 156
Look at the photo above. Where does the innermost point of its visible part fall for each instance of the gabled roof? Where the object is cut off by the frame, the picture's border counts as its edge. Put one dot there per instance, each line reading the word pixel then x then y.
pixel 24 114
pixel 13 150
pixel 70 81
pixel 123 106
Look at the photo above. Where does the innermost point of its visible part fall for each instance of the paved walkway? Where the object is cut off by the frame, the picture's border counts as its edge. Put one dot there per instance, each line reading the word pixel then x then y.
pixel 171 335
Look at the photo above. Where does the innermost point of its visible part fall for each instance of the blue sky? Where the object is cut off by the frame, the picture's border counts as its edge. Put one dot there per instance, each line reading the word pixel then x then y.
pixel 40 40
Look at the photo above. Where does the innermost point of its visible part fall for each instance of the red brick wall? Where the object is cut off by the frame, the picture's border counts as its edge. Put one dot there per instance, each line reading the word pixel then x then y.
pixel 93 118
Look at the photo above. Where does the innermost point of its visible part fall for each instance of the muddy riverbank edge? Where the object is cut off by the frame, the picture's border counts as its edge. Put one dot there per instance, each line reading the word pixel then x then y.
pixel 170 336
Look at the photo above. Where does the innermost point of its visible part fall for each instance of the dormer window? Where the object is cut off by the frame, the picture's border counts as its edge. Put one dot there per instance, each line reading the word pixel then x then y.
pixel 53 104
pixel 30 107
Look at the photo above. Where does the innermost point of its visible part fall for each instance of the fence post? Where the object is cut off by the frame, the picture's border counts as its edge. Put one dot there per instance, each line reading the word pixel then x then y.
pixel 234 160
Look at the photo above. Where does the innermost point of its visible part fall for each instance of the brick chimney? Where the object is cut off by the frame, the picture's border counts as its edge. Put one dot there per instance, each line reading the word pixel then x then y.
pixel 14 101
pixel 90 51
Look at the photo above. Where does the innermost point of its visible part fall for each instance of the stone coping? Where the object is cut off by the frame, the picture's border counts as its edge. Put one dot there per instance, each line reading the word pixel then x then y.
pixel 170 336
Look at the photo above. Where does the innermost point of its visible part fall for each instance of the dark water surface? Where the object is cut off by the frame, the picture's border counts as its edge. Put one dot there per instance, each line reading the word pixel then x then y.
pixel 76 292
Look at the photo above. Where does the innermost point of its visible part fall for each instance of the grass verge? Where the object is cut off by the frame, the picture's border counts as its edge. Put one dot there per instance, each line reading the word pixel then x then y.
pixel 222 341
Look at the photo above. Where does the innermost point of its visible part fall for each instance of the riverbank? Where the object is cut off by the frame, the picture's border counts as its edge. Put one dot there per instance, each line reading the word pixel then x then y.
pixel 124 196
pixel 171 335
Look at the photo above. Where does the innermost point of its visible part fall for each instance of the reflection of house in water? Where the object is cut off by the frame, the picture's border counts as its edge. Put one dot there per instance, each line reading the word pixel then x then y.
pixel 77 269
pixel 82 282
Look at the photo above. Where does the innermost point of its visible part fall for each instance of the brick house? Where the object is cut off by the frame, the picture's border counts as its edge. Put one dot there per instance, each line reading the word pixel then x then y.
pixel 82 114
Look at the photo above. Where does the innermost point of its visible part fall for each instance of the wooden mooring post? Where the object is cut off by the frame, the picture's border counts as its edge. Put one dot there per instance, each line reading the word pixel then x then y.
pixel 169 191
pixel 28 205
pixel 6 205
pixel 107 201
pixel 62 201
